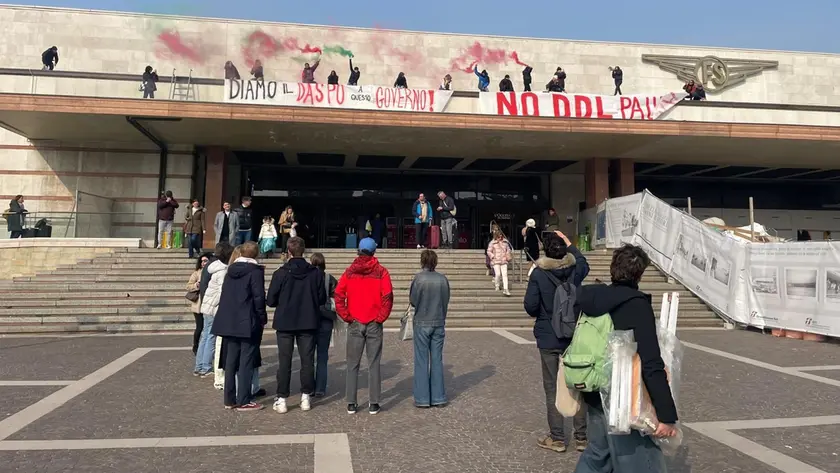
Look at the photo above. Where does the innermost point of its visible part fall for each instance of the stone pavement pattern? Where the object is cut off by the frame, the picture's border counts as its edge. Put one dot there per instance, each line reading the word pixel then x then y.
pixel 495 416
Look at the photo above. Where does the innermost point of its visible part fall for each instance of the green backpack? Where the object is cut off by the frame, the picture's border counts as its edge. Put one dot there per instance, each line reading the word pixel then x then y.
pixel 583 361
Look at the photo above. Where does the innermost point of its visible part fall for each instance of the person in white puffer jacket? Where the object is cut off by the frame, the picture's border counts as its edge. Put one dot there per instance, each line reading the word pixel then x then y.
pixel 205 365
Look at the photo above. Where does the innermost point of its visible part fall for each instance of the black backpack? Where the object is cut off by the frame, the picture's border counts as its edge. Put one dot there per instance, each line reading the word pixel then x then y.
pixel 563 317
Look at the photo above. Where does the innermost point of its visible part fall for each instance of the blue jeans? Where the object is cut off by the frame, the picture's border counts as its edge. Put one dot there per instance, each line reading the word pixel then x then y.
pixel 322 355
pixel 206 347
pixel 242 236
pixel 428 366
pixel 617 453
pixel 194 244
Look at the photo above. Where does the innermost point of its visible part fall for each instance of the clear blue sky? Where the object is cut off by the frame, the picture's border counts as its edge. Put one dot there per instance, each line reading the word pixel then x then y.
pixel 809 25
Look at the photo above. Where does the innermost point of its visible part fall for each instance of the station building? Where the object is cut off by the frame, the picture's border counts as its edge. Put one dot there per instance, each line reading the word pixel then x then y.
pixel 84 148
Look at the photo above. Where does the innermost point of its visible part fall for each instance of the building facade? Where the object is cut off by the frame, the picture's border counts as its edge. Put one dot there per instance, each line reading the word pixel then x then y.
pixel 81 140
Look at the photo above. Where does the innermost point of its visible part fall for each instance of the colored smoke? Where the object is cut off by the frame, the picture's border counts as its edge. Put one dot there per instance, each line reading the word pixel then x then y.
pixel 478 54
pixel 260 45
pixel 338 50
pixel 171 41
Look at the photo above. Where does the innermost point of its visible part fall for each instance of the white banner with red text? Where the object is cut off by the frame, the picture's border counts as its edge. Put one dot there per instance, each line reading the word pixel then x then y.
pixel 791 285
pixel 561 105
pixel 362 97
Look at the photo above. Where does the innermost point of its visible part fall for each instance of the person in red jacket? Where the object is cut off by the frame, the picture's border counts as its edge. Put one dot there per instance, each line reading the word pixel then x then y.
pixel 364 298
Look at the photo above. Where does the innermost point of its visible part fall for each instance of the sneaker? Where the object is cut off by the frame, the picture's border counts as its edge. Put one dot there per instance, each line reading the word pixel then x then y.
pixel 352 408
pixel 230 408
pixel 206 375
pixel 196 373
pixel 549 443
pixel 507 293
pixel 305 405
pixel 419 247
pixel 497 288
pixel 280 406
pixel 319 394
pixel 580 445
pixel 251 406
pixel 374 409
pixel 260 392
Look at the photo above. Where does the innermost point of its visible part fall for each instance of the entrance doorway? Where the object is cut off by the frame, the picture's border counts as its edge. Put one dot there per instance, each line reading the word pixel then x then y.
pixel 329 204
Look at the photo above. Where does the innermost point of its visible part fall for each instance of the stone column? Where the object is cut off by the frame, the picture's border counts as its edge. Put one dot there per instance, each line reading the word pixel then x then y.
pixel 624 177
pixel 214 188
pixel 597 181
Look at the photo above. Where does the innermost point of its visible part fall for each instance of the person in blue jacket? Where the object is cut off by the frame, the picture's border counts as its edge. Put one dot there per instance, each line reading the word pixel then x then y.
pixel 422 211
pixel 483 79
pixel 561 262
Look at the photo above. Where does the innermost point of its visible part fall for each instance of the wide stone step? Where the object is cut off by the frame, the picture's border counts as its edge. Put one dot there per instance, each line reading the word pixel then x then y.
pixel 685 318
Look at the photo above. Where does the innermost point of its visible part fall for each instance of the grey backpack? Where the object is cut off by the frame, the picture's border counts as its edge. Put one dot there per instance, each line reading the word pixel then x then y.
pixel 563 316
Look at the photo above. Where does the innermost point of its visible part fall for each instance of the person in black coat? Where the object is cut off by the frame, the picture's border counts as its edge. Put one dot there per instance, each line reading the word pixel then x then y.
pixel 618 77
pixel 240 319
pixel 401 82
pixel 526 77
pixel 14 217
pixel 565 263
pixel 505 85
pixel 332 79
pixel 355 73
pixel 49 58
pixel 297 292
pixel 630 309
pixel 150 80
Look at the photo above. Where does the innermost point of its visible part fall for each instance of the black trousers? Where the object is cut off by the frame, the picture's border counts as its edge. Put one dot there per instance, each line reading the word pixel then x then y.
pixel 528 87
pixel 199 326
pixel 420 232
pixel 306 350
pixel 240 358
pixel 617 88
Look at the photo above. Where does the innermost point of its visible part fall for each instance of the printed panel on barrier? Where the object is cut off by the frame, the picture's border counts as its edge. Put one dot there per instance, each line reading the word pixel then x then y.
pixel 601 235
pixel 659 225
pixel 622 219
pixel 709 264
pixel 795 286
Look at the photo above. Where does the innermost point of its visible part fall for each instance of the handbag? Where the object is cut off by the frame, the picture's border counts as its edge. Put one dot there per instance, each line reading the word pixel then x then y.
pixel 192 296
pixel 407 324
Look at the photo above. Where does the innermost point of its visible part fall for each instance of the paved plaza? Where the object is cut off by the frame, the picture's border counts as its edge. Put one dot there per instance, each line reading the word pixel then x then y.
pixel 749 402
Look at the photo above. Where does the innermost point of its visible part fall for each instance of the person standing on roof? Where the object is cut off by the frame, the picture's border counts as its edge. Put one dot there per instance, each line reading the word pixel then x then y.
pixel 355 73
pixel 307 75
pixel 618 78
pixel 150 79
pixel 364 298
pixel 401 82
pixel 526 78
pixel 483 79
pixel 332 79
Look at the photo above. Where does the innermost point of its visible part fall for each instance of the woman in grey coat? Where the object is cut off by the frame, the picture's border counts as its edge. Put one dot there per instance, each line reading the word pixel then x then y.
pixel 429 295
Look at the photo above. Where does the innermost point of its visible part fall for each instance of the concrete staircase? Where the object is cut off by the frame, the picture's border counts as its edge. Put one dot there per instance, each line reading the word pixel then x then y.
pixel 143 290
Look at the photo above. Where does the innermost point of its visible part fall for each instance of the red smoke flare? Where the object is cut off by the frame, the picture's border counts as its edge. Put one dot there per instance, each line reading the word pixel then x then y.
pixel 478 54
pixel 259 45
pixel 515 56
pixel 171 40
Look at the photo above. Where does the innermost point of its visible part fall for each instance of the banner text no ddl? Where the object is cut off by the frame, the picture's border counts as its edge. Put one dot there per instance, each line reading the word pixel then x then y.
pixel 336 96
pixel 628 107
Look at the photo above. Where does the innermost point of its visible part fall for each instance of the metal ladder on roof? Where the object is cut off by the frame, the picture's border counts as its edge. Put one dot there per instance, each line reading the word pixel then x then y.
pixel 181 89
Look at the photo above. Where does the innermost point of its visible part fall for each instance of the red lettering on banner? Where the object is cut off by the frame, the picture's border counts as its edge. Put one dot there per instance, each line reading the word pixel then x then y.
pixel 335 94
pixel 582 102
pixel 625 102
pixel 557 98
pixel 599 104
pixel 637 107
pixel 532 109
pixel 647 104
pixel 406 99
pixel 506 102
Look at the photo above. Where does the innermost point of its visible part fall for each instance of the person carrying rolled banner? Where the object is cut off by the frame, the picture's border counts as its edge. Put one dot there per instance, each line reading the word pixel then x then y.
pixel 625 308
